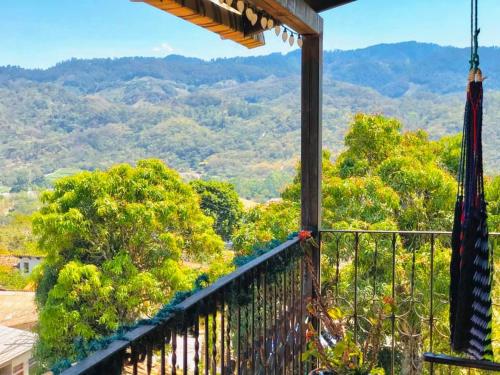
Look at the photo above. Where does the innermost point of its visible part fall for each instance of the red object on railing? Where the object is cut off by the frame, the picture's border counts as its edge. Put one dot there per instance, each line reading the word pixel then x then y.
pixel 305 235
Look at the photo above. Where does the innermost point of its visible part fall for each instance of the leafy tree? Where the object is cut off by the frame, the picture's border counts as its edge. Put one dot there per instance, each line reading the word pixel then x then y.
pixel 492 191
pixel 12 279
pixel 372 138
pixel 389 180
pixel 115 243
pixel 220 201
pixel 266 222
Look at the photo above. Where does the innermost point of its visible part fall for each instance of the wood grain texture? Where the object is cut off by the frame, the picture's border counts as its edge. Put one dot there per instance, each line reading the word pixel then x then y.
pixel 311 138
pixel 211 16
pixel 311 150
pixel 296 14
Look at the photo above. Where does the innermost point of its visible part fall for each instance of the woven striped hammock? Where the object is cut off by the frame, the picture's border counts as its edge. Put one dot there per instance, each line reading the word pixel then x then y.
pixel 471 267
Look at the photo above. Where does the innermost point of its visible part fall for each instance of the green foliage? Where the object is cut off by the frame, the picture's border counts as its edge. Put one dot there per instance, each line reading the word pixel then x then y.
pixel 220 201
pixel 265 223
pixel 358 199
pixel 16 237
pixel 115 242
pixel 449 154
pixel 79 305
pixel 262 189
pixel 206 117
pixel 12 279
pixel 384 180
pixel 372 138
pixel 492 192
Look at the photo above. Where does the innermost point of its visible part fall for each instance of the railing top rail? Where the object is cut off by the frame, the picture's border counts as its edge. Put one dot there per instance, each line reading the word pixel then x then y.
pixel 237 274
pixel 117 346
pixel 94 359
pixel 435 232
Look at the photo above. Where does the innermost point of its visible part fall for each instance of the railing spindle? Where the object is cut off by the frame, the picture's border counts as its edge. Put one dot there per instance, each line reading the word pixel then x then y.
pixel 207 338
pixel 431 309
pixel 284 319
pixel 196 346
pixel 252 335
pixel 260 312
pixel 228 333
pixel 393 294
pixel 238 335
pixel 149 358
pixel 162 359
pixel 264 325
pixel 134 360
pixel 293 314
pixel 174 352
pixel 275 326
pixel 356 252
pixel 337 269
pixel 185 351
pixel 301 315
pixel 222 335
pixel 214 340
pixel 375 258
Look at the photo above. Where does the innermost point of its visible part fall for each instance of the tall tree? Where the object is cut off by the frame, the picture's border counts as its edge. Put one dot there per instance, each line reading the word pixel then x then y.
pixel 115 242
pixel 390 180
pixel 220 201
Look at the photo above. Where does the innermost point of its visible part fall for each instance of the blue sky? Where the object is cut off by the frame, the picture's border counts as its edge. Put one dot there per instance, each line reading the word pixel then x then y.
pixel 40 33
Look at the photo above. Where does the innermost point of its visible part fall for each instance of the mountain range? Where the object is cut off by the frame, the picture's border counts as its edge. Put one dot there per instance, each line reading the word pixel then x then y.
pixel 235 119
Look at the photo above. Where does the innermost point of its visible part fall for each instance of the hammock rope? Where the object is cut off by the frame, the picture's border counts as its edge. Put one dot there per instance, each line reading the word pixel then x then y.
pixel 471 262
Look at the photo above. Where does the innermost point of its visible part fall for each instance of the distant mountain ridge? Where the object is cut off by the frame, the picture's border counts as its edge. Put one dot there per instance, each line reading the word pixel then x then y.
pixel 236 119
pixel 388 68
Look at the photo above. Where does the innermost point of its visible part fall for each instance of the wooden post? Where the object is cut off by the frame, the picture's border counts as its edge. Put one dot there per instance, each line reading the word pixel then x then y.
pixel 311 154
pixel 311 140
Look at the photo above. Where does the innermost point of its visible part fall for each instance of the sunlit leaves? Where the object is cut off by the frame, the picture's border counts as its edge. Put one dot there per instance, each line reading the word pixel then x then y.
pixel 220 201
pixel 116 242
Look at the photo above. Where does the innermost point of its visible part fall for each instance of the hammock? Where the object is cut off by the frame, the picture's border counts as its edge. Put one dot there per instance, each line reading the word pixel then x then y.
pixel 470 268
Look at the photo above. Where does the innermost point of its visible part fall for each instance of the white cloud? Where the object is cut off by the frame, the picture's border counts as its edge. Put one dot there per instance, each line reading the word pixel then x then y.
pixel 163 49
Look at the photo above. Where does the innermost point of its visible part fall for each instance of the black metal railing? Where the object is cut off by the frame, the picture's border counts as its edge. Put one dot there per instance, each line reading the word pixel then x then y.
pixel 253 320
pixel 249 322
pixel 394 284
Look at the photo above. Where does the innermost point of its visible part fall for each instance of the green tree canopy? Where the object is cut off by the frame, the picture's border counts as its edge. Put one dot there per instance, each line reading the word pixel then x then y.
pixel 264 223
pixel 385 179
pixel 220 201
pixel 115 242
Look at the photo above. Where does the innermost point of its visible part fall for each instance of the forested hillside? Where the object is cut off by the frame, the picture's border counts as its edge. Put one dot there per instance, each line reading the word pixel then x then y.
pixel 235 119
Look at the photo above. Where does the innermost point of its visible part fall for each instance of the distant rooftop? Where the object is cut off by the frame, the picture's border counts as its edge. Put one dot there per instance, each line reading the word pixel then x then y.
pixel 14 342
pixel 17 309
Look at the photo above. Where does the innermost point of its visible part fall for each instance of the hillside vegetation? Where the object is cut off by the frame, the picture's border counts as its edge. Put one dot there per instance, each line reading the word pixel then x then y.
pixel 232 119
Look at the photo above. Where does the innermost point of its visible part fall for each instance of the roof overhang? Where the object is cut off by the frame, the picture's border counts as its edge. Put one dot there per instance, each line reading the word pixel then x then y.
pixel 214 15
pixel 211 16
pixel 322 5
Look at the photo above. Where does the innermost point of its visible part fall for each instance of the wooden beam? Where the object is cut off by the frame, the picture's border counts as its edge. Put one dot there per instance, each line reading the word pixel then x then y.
pixel 311 156
pixel 209 15
pixel 311 139
pixel 294 13
pixel 322 5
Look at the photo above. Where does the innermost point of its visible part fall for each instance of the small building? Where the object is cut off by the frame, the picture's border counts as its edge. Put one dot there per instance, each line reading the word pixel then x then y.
pixel 15 351
pixel 27 263
pixel 24 263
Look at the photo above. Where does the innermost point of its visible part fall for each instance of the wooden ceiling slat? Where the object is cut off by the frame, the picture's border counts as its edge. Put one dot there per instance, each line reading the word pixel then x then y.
pixel 297 14
pixel 300 15
pixel 211 16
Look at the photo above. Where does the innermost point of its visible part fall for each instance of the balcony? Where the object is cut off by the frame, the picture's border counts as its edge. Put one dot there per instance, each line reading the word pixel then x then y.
pixel 253 321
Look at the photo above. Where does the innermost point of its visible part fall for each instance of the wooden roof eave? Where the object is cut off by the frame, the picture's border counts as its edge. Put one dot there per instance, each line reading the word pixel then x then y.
pixel 296 14
pixel 211 16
